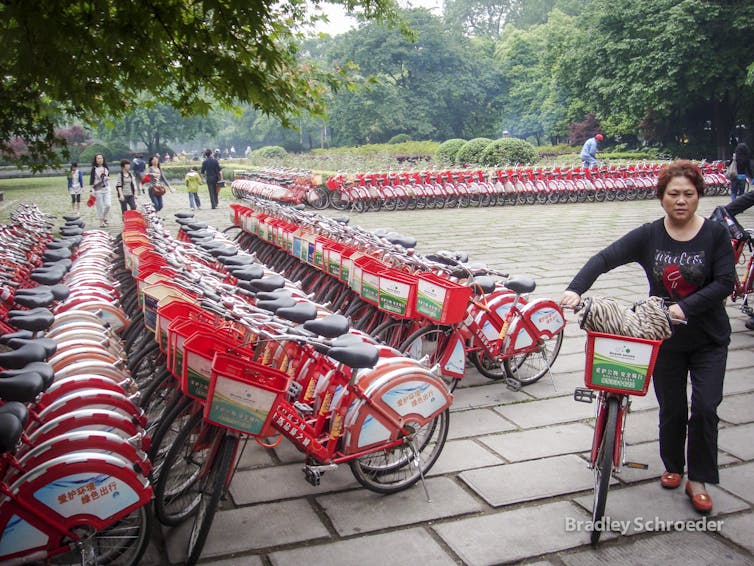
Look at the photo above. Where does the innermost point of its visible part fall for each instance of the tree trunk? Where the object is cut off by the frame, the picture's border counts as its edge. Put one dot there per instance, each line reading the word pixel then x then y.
pixel 723 122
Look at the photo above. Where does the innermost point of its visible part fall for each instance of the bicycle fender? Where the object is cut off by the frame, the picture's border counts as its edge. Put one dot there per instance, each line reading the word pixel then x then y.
pixel 539 318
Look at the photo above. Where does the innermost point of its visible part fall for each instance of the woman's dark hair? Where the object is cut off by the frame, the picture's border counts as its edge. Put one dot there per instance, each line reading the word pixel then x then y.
pixel 742 154
pixel 104 160
pixel 680 168
pixel 207 153
pixel 124 162
pixel 74 164
pixel 157 157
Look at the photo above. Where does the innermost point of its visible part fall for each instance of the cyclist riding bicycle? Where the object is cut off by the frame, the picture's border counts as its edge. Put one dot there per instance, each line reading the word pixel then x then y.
pixel 744 202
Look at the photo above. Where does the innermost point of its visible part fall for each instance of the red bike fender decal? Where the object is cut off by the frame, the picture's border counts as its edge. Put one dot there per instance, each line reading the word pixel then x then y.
pixel 544 318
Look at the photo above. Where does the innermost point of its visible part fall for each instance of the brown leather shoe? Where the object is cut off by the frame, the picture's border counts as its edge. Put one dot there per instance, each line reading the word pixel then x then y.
pixel 670 480
pixel 701 501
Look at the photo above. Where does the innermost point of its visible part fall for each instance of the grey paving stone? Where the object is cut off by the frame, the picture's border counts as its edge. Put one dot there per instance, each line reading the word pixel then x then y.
pixel 406 547
pixel 528 481
pixel 489 395
pixel 649 454
pixel 285 481
pixel 546 412
pixel 541 442
pixel 509 536
pixel 464 424
pixel 670 549
pixel 642 426
pixel 737 440
pixel 739 359
pixel 643 403
pixel 255 456
pixel 251 528
pixel 569 363
pixel 556 384
pixel 641 507
pixel 739 529
pixel 459 455
pixel 738 381
pixel 739 480
pixel 362 511
pixel 737 409
pixel 248 560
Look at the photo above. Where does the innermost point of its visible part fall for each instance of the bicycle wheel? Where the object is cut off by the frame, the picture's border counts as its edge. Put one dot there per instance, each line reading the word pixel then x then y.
pixel 489 367
pixel 163 435
pixel 528 368
pixel 392 332
pixel 603 467
pixel 178 490
pixel 213 487
pixel 120 544
pixel 393 470
pixel 430 343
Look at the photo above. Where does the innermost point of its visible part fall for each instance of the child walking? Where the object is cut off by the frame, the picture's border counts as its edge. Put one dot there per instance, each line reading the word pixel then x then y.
pixel 75 185
pixel 193 180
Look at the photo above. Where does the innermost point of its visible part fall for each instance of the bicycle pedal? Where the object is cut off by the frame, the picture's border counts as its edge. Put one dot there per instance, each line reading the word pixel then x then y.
pixel 636 465
pixel 294 389
pixel 312 475
pixel 512 384
pixel 583 395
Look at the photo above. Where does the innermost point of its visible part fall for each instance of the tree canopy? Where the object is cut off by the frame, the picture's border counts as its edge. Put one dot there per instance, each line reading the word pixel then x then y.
pixel 85 60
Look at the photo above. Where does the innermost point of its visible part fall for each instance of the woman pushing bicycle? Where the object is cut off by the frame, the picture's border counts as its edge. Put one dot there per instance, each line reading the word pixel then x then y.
pixel 689 263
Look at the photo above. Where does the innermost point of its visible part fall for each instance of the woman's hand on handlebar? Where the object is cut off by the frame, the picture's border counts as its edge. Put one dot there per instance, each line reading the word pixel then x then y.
pixel 677 316
pixel 570 299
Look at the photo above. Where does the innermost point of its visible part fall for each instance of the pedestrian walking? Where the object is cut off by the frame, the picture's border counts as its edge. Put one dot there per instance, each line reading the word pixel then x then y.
pixel 212 172
pixel 75 186
pixel 99 183
pixel 589 151
pixel 125 186
pixel 158 183
pixel 193 180
pixel 688 261
pixel 742 173
pixel 138 165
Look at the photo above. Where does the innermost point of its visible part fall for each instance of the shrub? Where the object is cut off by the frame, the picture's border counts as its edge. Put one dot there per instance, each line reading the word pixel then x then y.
pixel 269 152
pixel 509 151
pixel 448 150
pixel 471 151
pixel 87 155
pixel 399 138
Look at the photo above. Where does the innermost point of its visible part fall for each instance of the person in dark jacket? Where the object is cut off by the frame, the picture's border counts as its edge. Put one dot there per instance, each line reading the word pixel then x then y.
pixel 745 170
pixel 689 263
pixel 213 173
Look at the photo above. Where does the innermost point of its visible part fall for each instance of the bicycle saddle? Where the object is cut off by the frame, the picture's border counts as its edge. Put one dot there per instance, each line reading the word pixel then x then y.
pixel 247 272
pixel 224 251
pixel 356 355
pixel 341 219
pixel 272 295
pixel 10 432
pixel 16 409
pixel 35 321
pixel 400 240
pixel 69 217
pixel 198 234
pixel 269 283
pixel 22 388
pixel 64 264
pixel 329 326
pixel 237 260
pixel 78 223
pixel 71 231
pixel 75 239
pixel 41 298
pixel 62 243
pixel 300 312
pixel 48 275
pixel 521 284
pixel 27 353
pixel 346 340
pixel 18 334
pixel 194 225
pixel 48 344
pixel 60 292
pixel 41 368
pixel 274 305
pixel 55 255
pixel 182 215
pixel 482 284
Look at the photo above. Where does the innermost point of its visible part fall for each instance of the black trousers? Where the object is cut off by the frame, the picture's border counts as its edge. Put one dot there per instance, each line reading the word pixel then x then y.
pixel 212 186
pixel 127 202
pixel 705 365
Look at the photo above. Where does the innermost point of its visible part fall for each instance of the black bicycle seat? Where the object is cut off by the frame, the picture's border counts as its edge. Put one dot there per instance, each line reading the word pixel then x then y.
pixel 40 298
pixel 329 326
pixel 482 284
pixel 247 272
pixel 48 344
pixel 22 388
pixel 521 284
pixel 356 355
pixel 71 231
pixel 17 409
pixel 35 321
pixel 56 255
pixel 269 283
pixel 58 244
pixel 223 251
pixel 11 429
pixel 300 312
pixel 239 260
pixel 42 368
pixel 181 215
pixel 272 295
pixel 68 217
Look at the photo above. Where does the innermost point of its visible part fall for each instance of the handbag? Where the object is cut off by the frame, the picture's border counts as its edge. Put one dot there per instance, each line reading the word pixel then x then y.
pixel 158 190
pixel 731 173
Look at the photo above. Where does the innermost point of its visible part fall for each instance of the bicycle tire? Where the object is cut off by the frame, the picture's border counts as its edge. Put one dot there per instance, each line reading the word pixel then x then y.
pixel 214 487
pixel 155 397
pixel 488 366
pixel 178 489
pixel 428 343
pixel 120 544
pixel 528 368
pixel 391 332
pixel 603 467
pixel 324 198
pixel 382 472
pixel 164 434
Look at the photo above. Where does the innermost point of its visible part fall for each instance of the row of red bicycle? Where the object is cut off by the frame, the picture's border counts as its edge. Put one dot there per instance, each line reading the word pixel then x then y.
pixel 406 190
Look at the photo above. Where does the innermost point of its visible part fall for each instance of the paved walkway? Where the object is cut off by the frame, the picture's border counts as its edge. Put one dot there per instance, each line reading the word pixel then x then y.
pixel 512 483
